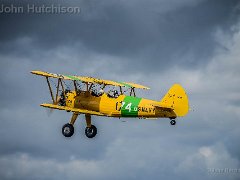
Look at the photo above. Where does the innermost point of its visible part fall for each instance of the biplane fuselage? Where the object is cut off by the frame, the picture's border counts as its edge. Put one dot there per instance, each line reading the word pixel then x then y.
pixel 122 106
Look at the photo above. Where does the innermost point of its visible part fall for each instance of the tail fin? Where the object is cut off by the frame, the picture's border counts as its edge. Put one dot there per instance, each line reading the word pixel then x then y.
pixel 177 99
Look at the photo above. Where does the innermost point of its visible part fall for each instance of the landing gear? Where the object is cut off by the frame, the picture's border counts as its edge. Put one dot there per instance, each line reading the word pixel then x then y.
pixel 172 122
pixel 67 130
pixel 91 132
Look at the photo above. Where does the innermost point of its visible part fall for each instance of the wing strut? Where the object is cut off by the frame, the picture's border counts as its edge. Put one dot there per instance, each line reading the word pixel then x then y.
pixel 132 91
pixel 57 90
pixel 75 86
pixel 62 87
pixel 50 89
pixel 59 83
pixel 121 90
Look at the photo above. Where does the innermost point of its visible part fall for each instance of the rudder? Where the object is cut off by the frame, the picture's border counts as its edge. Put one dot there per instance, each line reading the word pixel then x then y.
pixel 177 99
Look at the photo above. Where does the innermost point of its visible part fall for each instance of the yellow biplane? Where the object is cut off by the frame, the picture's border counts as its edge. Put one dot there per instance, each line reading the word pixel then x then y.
pixel 89 96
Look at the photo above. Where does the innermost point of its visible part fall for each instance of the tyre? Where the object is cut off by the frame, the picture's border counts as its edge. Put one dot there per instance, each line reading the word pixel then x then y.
pixel 91 132
pixel 172 122
pixel 67 130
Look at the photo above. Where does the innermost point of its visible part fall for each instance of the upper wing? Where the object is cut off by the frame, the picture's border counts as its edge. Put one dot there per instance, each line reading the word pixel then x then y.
pixel 139 86
pixel 77 110
pixel 52 75
pixel 89 80
pixel 76 78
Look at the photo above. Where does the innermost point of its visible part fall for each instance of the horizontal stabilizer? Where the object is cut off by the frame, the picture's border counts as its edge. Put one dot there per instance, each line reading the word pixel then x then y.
pixel 162 106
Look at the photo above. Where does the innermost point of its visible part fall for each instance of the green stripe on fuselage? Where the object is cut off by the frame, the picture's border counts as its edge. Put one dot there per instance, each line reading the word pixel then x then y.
pixel 130 106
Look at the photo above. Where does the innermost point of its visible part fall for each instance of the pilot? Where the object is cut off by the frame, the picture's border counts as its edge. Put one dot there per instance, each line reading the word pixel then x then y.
pixel 115 93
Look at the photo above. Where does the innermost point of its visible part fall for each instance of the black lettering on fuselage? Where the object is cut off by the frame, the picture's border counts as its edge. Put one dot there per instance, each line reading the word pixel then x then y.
pixel 146 109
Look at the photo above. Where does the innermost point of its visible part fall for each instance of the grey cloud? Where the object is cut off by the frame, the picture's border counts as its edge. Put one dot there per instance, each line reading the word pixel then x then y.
pixel 96 43
pixel 131 32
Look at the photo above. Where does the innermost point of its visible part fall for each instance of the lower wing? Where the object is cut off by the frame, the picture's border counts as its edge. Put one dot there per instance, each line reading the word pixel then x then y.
pixel 77 110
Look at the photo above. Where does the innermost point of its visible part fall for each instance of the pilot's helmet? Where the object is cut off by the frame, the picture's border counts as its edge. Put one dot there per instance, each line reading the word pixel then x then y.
pixel 101 91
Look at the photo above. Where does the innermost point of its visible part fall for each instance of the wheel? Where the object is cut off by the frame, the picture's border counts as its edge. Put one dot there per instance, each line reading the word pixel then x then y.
pixel 67 130
pixel 91 132
pixel 172 122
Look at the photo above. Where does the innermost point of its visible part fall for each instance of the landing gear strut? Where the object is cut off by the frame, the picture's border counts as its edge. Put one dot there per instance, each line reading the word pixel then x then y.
pixel 90 130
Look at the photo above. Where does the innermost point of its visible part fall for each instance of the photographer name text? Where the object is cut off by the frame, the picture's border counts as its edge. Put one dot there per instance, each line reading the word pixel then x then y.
pixel 39 9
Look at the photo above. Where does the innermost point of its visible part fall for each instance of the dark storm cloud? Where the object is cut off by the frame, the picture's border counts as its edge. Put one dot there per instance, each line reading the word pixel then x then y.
pixel 142 34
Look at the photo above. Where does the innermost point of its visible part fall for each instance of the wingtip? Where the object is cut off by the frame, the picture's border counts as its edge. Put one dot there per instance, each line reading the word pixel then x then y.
pixel 35 72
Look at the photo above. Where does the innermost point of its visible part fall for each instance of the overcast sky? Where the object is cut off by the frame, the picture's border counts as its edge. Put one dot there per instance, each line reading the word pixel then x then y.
pixel 156 43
